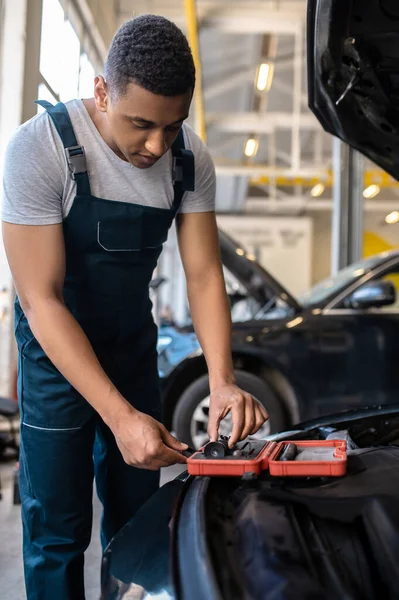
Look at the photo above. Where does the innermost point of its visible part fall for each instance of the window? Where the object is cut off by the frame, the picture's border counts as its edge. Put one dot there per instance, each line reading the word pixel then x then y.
pixel 86 77
pixel 333 285
pixel 65 69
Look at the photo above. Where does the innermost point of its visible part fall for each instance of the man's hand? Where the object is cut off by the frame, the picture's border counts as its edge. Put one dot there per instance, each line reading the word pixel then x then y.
pixel 248 415
pixel 145 443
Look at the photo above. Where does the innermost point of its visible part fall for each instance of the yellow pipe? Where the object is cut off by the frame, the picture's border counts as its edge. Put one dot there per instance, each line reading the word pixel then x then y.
pixel 192 29
pixel 371 176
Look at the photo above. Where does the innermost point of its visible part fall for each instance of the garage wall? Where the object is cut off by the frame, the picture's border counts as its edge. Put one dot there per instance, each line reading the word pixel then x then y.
pixel 104 16
pixel 321 257
pixel 283 245
pixel 378 237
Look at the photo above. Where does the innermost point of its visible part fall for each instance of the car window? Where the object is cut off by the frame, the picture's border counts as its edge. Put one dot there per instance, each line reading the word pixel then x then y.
pixel 323 290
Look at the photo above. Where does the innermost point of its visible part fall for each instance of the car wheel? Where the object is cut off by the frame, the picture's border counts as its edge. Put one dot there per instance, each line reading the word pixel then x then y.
pixel 190 419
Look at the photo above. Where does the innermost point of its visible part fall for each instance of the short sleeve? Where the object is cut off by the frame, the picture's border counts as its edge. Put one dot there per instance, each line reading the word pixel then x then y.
pixel 34 175
pixel 202 199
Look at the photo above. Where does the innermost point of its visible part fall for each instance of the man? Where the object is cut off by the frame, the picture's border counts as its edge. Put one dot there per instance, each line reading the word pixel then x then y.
pixel 89 197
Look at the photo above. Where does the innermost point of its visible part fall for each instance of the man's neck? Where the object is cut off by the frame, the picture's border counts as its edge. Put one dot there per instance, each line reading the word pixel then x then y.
pixel 101 123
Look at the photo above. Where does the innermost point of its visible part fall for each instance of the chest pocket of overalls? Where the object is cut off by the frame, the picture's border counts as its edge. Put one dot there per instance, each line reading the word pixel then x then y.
pixel 144 231
pixel 121 234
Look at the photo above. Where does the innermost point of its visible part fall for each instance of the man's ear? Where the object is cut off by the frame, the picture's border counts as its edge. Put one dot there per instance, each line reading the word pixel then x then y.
pixel 101 93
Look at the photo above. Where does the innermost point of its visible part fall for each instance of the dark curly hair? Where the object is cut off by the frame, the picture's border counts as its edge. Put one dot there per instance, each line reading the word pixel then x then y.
pixel 152 52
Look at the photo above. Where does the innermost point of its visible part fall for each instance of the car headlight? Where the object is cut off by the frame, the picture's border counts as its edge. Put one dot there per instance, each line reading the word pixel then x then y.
pixel 163 342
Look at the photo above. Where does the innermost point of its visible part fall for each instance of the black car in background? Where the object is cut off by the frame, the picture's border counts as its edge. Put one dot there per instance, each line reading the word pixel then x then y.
pixel 334 348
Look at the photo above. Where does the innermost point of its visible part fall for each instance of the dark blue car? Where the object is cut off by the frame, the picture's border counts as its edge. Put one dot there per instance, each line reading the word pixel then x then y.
pixel 336 347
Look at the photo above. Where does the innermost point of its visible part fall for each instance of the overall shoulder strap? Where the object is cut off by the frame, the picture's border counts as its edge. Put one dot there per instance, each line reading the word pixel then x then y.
pixel 183 170
pixel 75 153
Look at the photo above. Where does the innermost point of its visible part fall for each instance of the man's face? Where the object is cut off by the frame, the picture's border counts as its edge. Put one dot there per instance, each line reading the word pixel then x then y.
pixel 143 125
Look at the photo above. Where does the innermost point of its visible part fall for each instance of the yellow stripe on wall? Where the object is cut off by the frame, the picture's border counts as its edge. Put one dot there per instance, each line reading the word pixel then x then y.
pixel 374 244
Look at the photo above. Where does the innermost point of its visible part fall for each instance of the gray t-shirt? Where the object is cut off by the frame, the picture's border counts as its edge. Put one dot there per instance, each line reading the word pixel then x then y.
pixel 38 188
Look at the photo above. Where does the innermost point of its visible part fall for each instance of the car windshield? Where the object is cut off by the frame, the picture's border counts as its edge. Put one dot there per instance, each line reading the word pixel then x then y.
pixel 323 290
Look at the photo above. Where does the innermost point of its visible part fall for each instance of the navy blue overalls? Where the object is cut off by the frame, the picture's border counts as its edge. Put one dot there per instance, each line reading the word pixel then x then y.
pixel 111 251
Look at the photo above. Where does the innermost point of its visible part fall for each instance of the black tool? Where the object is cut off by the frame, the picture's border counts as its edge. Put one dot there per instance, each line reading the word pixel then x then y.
pixel 217 449
pixel 289 452
pixel 189 452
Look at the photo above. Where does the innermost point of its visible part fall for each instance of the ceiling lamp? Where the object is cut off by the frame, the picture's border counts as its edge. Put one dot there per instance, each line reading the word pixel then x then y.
pixel 392 218
pixel 264 77
pixel 317 190
pixel 371 191
pixel 251 147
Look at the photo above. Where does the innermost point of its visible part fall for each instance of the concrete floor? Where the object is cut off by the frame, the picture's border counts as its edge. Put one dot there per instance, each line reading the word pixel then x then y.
pixel 11 569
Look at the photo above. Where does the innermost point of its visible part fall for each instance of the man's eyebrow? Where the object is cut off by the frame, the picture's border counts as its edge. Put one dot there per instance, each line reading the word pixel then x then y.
pixel 144 121
pixel 140 120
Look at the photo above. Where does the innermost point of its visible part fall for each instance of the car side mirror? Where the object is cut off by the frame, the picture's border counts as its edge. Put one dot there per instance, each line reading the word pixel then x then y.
pixel 372 295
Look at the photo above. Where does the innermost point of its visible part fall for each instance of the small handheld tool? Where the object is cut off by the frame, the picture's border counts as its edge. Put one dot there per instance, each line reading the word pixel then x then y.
pixel 289 452
pixel 217 449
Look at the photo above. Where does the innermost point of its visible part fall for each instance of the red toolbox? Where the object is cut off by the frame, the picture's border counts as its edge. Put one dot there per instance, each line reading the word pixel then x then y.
pixel 308 459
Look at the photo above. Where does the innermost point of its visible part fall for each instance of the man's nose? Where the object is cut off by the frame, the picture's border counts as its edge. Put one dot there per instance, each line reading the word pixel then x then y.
pixel 156 143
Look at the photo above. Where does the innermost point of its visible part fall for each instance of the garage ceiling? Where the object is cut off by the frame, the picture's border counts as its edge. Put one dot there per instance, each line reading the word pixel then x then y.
pixel 293 153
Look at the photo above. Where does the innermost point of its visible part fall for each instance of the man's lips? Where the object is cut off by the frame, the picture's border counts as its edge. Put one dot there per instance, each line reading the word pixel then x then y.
pixel 148 160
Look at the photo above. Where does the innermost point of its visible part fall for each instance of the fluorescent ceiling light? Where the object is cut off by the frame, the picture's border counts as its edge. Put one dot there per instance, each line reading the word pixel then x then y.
pixel 251 147
pixel 371 191
pixel 317 190
pixel 264 77
pixel 392 218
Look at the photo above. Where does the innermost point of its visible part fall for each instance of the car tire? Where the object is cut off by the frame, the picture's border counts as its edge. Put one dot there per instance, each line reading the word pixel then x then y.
pixel 199 389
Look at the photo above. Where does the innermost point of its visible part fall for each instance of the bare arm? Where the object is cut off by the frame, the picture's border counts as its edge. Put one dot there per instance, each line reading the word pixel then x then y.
pixel 37 261
pixel 36 257
pixel 210 310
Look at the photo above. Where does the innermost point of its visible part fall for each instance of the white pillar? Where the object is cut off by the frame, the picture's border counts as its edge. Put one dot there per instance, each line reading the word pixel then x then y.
pixel 12 68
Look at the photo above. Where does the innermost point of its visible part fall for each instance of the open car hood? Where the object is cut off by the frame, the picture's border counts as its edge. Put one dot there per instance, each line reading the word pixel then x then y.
pixel 353 78
pixel 259 283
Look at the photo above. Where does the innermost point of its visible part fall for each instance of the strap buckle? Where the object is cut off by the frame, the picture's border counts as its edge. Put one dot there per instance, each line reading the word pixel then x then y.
pixel 177 169
pixel 76 159
pixel 183 170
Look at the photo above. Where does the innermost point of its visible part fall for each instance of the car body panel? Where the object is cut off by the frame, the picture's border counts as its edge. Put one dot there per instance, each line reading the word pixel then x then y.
pixel 352 57
pixel 143 541
pixel 174 347
pixel 292 347
pixel 360 352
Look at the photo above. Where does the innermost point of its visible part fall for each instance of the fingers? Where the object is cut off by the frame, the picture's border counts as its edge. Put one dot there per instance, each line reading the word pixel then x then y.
pixel 214 419
pixel 170 440
pixel 171 457
pixel 260 417
pixel 162 457
pixel 250 417
pixel 238 418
